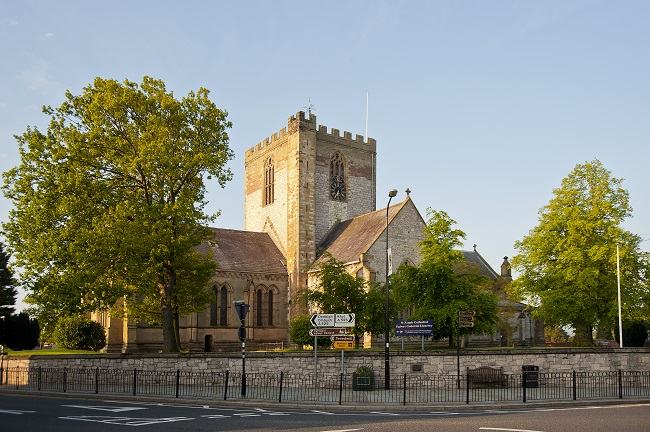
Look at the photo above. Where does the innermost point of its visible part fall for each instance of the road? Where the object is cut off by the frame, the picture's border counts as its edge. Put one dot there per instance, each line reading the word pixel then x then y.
pixel 55 414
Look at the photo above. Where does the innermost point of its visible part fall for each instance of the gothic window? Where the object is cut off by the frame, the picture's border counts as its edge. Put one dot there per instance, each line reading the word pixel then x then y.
pixel 269 182
pixel 223 307
pixel 259 308
pixel 338 188
pixel 270 307
pixel 213 307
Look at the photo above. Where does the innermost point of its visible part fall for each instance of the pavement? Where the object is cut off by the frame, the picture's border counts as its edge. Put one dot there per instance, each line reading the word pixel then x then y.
pixel 348 406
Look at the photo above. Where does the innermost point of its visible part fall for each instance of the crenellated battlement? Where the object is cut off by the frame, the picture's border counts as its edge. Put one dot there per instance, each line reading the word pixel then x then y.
pixel 301 121
pixel 346 139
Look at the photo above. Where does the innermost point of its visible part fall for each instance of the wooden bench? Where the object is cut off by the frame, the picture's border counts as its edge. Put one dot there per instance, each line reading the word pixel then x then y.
pixel 485 376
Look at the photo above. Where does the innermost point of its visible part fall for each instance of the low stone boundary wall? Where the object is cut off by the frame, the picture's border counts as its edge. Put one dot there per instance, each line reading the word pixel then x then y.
pixel 329 362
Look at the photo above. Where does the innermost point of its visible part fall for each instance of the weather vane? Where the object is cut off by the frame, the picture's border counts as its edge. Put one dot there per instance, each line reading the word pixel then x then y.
pixel 310 107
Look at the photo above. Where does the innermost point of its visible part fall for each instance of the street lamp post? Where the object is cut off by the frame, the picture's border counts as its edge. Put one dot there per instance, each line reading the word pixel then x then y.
pixel 391 194
pixel 2 349
pixel 242 309
pixel 618 283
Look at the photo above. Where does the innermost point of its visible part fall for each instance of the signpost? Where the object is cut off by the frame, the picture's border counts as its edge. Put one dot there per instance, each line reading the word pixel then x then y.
pixel 343 345
pixel 333 320
pixel 465 320
pixel 342 338
pixel 413 328
pixel 326 331
pixel 333 323
pixel 343 342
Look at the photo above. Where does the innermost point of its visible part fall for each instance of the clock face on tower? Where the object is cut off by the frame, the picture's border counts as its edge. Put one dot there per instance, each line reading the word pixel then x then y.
pixel 337 188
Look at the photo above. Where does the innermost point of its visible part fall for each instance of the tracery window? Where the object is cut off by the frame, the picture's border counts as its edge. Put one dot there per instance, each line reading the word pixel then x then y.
pixel 338 189
pixel 223 307
pixel 270 307
pixel 260 308
pixel 269 182
pixel 219 307
pixel 213 307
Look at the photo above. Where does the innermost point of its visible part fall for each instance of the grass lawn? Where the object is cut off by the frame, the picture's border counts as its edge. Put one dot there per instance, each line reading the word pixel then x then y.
pixel 57 351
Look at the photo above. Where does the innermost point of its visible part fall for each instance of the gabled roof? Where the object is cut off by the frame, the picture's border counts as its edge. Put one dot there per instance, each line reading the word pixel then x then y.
pixel 484 268
pixel 350 238
pixel 246 251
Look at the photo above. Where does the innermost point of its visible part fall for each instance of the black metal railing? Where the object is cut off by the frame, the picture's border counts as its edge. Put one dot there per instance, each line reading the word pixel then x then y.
pixel 404 389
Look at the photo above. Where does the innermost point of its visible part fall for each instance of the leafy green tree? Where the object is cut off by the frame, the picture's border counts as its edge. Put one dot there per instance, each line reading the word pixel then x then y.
pixel 21 332
pixel 445 283
pixel 555 334
pixel 79 333
pixel 373 312
pixel 108 203
pixel 634 334
pixel 337 291
pixel 299 332
pixel 567 263
pixel 8 290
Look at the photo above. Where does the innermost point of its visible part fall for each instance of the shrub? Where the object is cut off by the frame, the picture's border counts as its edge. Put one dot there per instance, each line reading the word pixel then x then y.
pixel 79 333
pixel 20 332
pixel 364 370
pixel 299 332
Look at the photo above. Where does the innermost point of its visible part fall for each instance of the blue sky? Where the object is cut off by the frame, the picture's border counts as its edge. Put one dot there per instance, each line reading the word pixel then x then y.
pixel 479 107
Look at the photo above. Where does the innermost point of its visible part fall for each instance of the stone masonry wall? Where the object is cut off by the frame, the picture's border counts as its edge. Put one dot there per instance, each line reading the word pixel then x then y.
pixel 405 232
pixel 329 362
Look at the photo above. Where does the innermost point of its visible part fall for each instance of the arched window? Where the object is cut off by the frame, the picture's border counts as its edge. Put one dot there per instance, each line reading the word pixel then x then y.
pixel 270 307
pixel 223 307
pixel 213 307
pixel 338 188
pixel 259 308
pixel 269 182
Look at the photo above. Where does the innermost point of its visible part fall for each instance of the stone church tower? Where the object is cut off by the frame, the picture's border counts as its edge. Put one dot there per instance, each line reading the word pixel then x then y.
pixel 300 182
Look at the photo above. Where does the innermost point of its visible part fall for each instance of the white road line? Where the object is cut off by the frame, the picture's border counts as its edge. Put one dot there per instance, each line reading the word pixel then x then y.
pixel 343 430
pixel 509 430
pixel 18 412
pixel 106 408
pixel 126 421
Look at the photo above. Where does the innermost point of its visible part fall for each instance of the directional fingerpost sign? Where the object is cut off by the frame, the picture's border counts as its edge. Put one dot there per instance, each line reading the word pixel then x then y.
pixel 326 331
pixel 344 320
pixel 333 320
pixel 343 345
pixel 466 318
pixel 342 338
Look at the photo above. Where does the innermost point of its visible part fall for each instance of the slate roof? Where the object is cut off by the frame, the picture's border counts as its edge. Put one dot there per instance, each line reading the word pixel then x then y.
pixel 350 238
pixel 246 251
pixel 484 268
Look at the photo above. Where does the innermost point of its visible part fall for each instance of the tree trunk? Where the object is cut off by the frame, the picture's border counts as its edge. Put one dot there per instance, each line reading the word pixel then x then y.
pixel 170 343
pixel 583 335
pixel 177 333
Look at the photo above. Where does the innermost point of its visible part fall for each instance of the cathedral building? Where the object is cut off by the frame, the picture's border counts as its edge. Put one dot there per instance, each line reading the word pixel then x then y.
pixel 307 189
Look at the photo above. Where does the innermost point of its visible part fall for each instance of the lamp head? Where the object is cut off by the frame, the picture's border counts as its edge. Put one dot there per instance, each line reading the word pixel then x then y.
pixel 392 193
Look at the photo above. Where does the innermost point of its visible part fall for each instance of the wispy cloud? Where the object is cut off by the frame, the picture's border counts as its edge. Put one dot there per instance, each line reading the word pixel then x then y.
pixel 36 76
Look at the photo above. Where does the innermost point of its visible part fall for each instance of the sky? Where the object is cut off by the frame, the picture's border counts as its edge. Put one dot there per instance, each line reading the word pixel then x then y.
pixel 480 108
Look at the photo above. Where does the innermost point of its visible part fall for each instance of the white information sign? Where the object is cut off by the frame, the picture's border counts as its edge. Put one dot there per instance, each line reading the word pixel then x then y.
pixel 333 320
